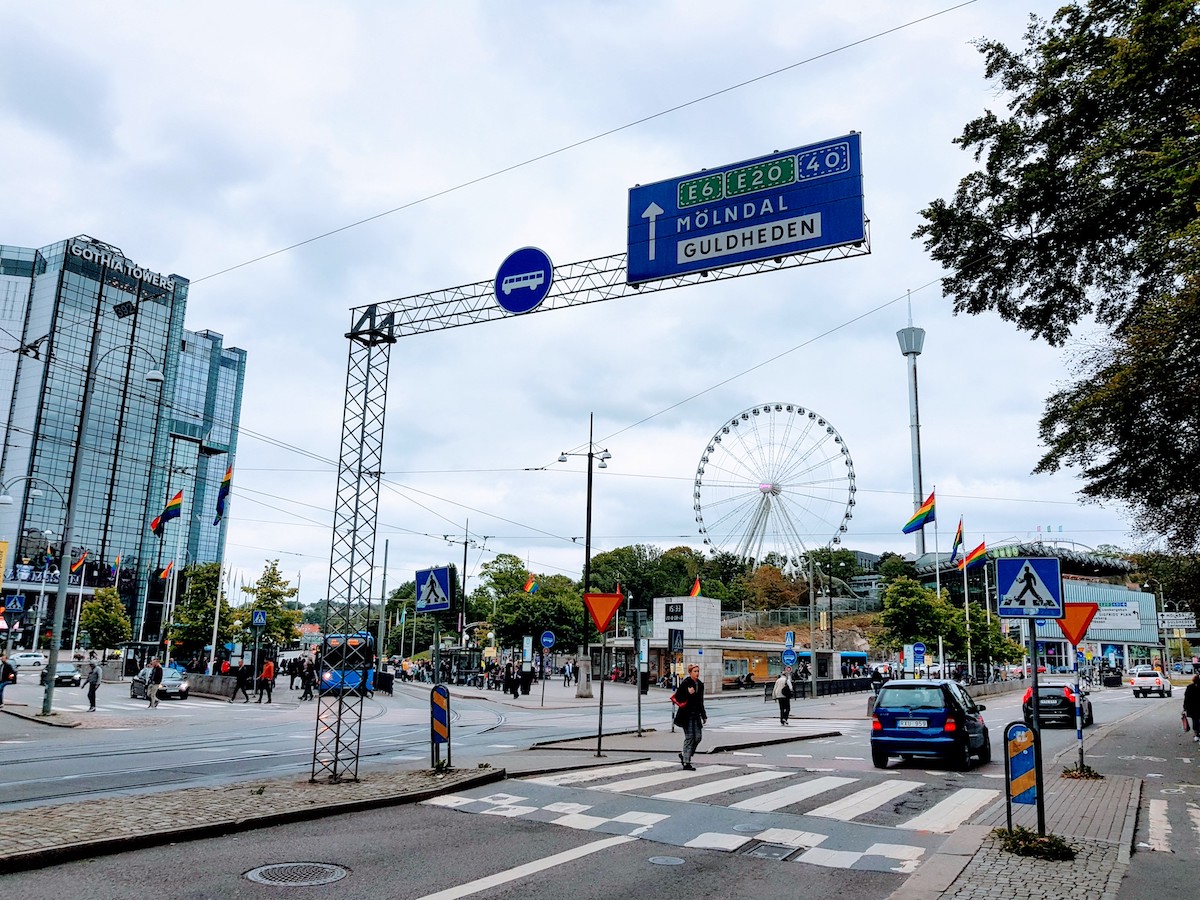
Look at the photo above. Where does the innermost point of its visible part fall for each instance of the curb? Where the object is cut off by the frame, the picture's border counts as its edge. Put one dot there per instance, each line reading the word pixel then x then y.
pixel 37 717
pixel 46 856
pixel 939 873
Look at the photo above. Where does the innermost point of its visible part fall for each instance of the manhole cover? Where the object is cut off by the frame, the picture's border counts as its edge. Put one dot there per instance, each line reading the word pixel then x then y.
pixel 748 828
pixel 771 851
pixel 303 874
pixel 666 860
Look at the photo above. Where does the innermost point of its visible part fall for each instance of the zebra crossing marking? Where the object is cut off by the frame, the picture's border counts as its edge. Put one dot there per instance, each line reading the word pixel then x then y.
pixel 649 781
pixel 579 776
pixel 864 801
pixel 946 816
pixel 695 792
pixel 793 793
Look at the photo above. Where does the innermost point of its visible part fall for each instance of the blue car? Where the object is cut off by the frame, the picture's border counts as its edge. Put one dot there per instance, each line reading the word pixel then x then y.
pixel 928 718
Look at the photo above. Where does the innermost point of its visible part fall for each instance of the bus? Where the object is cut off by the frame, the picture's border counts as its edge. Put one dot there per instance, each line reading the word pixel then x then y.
pixel 348 664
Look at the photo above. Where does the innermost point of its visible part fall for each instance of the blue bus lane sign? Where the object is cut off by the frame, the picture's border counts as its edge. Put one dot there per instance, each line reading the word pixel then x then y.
pixel 794 201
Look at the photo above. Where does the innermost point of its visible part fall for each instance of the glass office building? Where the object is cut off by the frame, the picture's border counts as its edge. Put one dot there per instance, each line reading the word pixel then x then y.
pixel 161 419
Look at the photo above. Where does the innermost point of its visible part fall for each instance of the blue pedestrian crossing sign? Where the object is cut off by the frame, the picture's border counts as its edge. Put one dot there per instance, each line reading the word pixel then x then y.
pixel 15 603
pixel 789 640
pixel 260 618
pixel 433 590
pixel 1029 588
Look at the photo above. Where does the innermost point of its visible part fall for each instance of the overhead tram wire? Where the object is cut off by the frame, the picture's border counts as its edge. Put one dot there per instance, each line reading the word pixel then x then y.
pixel 592 139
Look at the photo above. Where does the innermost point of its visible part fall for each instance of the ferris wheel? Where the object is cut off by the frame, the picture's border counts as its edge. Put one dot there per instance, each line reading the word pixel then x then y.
pixel 773 479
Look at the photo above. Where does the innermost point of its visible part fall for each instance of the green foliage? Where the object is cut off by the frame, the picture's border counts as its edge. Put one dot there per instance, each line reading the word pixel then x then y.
pixel 893 566
pixel 1023 842
pixel 914 613
pixel 1085 208
pixel 105 620
pixel 193 619
pixel 269 594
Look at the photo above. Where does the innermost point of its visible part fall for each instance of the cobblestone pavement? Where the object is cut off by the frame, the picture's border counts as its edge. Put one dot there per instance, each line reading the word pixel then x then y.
pixel 1096 871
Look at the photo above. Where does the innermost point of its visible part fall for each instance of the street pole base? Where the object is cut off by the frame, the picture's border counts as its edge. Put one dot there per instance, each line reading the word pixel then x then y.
pixel 583 685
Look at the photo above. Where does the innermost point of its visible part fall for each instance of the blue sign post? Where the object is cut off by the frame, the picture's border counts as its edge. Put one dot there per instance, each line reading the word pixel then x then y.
pixel 807 198
pixel 523 280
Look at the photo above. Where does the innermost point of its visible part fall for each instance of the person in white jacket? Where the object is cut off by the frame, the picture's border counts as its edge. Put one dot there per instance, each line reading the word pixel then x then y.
pixel 783 693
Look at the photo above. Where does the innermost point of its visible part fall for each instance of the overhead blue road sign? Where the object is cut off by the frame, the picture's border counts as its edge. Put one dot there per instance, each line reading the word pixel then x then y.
pixel 433 590
pixel 789 657
pixel 523 280
pixel 803 199
pixel 1029 588
pixel 260 618
pixel 547 639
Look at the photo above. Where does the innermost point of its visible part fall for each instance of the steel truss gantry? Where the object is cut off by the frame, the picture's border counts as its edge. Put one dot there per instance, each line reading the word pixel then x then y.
pixel 373 330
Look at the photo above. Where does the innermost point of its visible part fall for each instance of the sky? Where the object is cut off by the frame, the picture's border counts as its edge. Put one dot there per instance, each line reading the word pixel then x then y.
pixel 406 147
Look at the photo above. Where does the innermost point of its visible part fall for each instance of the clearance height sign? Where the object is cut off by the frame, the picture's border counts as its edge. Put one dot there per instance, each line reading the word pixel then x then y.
pixel 807 198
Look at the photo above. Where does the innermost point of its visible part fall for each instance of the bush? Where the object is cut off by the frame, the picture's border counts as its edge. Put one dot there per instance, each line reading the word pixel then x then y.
pixel 1023 842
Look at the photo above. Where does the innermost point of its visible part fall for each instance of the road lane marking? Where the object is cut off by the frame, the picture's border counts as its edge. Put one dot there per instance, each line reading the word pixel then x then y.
pixel 946 816
pixel 579 776
pixel 1159 826
pixel 524 871
pixel 649 781
pixel 695 792
pixel 865 800
pixel 793 793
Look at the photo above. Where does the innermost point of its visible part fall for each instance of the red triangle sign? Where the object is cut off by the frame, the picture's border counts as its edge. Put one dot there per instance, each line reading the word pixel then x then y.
pixel 1075 620
pixel 602 607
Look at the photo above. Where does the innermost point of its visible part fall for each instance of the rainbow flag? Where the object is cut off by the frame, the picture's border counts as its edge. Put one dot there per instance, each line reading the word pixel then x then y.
pixel 116 567
pixel 695 591
pixel 166 573
pixel 531 585
pixel 922 516
pixel 75 566
pixel 958 542
pixel 974 558
pixel 170 511
pixel 223 494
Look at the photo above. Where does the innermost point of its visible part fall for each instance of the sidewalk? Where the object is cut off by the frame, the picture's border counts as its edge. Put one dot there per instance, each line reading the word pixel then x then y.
pixel 1096 817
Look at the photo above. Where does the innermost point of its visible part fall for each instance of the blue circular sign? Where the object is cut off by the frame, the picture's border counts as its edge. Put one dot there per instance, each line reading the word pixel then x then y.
pixel 523 280
pixel 789 657
pixel 918 648
pixel 547 639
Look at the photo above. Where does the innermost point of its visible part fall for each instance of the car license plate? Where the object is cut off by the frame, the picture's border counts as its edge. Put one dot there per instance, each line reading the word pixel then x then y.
pixel 912 723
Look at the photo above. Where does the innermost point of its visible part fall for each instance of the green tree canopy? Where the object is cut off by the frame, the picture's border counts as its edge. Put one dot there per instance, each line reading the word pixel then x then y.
pixel 269 594
pixel 914 613
pixel 105 620
pixel 1086 207
pixel 193 619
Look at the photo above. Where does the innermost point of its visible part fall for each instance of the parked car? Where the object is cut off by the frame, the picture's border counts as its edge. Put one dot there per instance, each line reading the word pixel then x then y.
pixel 64 673
pixel 26 658
pixel 174 684
pixel 928 718
pixel 1056 704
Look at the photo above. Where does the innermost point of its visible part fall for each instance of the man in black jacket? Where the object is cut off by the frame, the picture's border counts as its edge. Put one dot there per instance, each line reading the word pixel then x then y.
pixel 153 681
pixel 1191 705
pixel 690 714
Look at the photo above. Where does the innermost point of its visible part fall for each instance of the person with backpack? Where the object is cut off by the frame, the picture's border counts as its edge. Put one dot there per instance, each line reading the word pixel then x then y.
pixel 782 692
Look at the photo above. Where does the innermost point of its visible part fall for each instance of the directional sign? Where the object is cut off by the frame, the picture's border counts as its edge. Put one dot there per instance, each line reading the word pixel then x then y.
pixel 1075 620
pixel 547 639
pixel 260 618
pixel 523 280
pixel 433 590
pixel 1029 588
pixel 1177 620
pixel 795 201
pixel 602 607
pixel 1022 773
pixel 789 657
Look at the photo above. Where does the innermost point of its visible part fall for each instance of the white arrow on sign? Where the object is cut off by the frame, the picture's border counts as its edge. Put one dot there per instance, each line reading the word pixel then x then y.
pixel 653 211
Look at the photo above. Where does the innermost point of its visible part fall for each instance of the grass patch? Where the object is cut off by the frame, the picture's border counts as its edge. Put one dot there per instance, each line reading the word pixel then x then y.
pixel 1023 842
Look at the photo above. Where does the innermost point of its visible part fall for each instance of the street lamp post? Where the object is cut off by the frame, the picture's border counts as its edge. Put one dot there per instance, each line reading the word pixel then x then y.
pixel 583 685
pixel 7 500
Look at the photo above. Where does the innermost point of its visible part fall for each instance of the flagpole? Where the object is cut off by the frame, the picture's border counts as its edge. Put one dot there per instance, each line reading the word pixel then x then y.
pixel 212 650
pixel 967 612
pixel 937 569
pixel 987 592
pixel 78 613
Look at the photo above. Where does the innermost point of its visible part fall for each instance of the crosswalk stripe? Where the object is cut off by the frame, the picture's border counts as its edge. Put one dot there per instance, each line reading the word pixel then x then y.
pixel 793 793
pixel 716 787
pixel 648 781
pixel 579 776
pixel 865 800
pixel 949 814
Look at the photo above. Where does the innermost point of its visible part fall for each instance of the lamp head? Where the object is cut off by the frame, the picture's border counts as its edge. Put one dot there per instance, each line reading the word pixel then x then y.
pixel 604 454
pixel 6 499
pixel 602 464
pixel 562 457
pixel 154 376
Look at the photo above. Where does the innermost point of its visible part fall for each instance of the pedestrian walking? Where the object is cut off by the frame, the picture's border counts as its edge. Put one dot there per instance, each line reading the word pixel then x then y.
pixel 241 682
pixel 782 692
pixel 1191 705
pixel 567 673
pixel 308 677
pixel 8 675
pixel 690 714
pixel 153 680
pixel 92 684
pixel 266 680
pixel 294 672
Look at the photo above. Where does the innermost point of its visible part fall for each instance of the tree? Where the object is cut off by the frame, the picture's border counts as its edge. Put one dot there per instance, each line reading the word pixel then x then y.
pixel 269 594
pixel 914 613
pixel 893 566
pixel 1085 208
pixel 193 623
pixel 105 620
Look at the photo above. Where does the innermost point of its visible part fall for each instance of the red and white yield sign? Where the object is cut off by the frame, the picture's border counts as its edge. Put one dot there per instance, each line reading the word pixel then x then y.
pixel 1075 620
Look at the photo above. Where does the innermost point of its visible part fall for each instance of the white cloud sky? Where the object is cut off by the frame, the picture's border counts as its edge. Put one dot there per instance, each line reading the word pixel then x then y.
pixel 198 137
